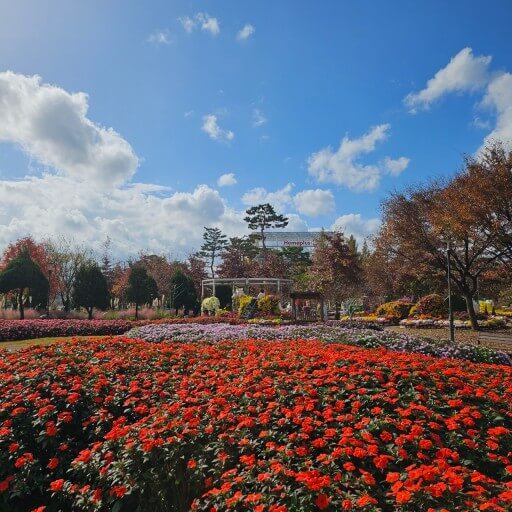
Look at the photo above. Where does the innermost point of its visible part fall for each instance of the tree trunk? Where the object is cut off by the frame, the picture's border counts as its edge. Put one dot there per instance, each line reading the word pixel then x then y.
pixel 89 312
pixel 337 307
pixel 263 246
pixel 22 306
pixel 136 311
pixel 471 311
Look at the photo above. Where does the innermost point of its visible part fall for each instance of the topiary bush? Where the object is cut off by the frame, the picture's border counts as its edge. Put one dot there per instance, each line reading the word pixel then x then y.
pixel 431 305
pixel 395 309
pixel 210 305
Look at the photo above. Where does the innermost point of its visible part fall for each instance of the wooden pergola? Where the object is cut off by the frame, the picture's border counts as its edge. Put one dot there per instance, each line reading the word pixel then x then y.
pixel 307 306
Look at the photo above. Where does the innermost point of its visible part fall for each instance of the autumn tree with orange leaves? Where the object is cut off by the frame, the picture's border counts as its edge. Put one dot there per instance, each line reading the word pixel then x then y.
pixel 471 214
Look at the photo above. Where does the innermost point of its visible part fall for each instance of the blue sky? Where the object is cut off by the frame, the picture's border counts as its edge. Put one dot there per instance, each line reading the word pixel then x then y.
pixel 190 98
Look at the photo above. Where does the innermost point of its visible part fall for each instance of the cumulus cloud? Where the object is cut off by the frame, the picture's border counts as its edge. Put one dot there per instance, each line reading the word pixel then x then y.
pixel 245 32
pixel 159 37
pixel 258 119
pixel 498 97
pixel 343 167
pixel 202 20
pixel 51 125
pixel 214 131
pixel 314 202
pixel 355 224
pixel 279 199
pixel 397 166
pixel 227 180
pixel 134 217
pixel 464 72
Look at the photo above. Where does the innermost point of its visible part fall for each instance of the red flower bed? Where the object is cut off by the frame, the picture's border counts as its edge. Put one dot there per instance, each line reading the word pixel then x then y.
pixel 123 425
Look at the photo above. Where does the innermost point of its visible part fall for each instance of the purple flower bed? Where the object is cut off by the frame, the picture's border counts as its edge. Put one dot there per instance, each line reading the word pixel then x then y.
pixel 28 329
pixel 330 332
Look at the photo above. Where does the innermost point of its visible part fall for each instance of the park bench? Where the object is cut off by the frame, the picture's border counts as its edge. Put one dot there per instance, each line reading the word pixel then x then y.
pixel 503 339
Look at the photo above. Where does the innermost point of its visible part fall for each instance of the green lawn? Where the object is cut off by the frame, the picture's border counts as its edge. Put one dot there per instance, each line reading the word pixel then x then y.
pixel 15 345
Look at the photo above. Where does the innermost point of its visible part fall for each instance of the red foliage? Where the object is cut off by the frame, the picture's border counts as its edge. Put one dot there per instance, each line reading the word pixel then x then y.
pixel 263 426
pixel 37 253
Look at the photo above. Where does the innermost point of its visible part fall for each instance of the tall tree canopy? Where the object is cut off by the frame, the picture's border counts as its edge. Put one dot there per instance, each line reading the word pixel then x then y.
pixel 237 257
pixel 335 270
pixel 183 291
pixel 263 217
pixel 141 288
pixel 22 274
pixel 65 259
pixel 90 288
pixel 214 243
pixel 462 214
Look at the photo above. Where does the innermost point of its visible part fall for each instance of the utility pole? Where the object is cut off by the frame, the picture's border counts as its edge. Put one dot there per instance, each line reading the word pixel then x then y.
pixel 450 311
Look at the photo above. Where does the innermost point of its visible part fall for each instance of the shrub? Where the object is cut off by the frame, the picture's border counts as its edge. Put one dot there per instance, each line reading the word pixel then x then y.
pixel 210 305
pixel 431 305
pixel 243 302
pixel 269 304
pixel 395 309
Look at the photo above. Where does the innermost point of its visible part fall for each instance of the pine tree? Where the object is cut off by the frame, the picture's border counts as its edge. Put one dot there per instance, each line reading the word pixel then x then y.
pixel 214 243
pixel 263 217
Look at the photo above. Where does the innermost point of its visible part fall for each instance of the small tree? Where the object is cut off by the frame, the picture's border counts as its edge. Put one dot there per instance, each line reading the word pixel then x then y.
pixel 90 288
pixel 214 243
pixel 183 292
pixel 22 274
pixel 262 217
pixel 141 287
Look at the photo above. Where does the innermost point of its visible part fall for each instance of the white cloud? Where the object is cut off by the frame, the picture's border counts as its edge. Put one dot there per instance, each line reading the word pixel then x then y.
pixel 187 23
pixel 279 199
pixel 208 23
pixel 314 202
pixel 214 131
pixel 397 166
pixel 227 180
pixel 464 72
pixel 258 119
pixel 132 216
pixel 159 37
pixel 71 197
pixel 343 167
pixel 355 224
pixel 246 32
pixel 481 124
pixel 51 125
pixel 295 223
pixel 202 20
pixel 498 97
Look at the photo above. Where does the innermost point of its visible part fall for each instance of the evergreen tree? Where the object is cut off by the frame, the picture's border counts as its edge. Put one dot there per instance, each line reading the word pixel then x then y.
pixel 23 274
pixel 214 243
pixel 183 291
pixel 263 217
pixel 90 289
pixel 141 287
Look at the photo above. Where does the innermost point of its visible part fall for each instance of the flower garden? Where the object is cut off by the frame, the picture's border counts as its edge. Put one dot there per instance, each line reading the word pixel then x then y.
pixel 285 425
